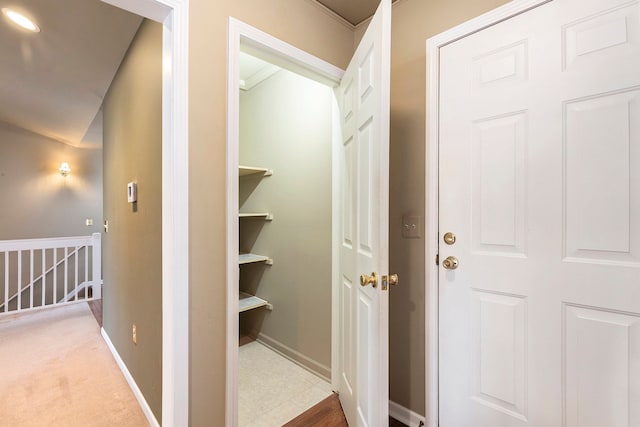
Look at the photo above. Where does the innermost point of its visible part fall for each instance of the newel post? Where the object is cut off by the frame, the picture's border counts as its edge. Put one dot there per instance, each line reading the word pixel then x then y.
pixel 96 242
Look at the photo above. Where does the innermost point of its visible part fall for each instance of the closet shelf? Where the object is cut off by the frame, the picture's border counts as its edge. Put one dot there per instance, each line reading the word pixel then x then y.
pixel 249 302
pixel 249 170
pixel 264 215
pixel 252 258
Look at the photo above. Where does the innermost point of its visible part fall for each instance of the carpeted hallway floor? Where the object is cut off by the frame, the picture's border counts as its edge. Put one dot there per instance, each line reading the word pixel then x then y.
pixel 56 370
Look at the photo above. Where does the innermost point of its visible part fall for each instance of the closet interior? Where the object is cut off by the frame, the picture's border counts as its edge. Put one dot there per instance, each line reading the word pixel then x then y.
pixel 285 241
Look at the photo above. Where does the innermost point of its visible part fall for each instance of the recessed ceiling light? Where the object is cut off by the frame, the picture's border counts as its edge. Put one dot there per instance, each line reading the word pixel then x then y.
pixel 21 20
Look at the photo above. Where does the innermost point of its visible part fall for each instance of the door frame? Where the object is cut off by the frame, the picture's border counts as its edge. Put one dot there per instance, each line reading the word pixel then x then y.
pixel 297 60
pixel 433 46
pixel 174 17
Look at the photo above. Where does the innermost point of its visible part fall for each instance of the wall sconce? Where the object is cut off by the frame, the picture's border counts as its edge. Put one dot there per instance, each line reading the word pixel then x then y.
pixel 65 169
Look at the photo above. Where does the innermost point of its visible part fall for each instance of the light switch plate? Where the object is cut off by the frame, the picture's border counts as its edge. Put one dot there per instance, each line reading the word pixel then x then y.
pixel 411 226
pixel 132 192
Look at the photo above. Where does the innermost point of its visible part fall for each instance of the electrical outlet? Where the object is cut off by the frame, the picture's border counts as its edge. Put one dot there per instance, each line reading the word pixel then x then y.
pixel 135 334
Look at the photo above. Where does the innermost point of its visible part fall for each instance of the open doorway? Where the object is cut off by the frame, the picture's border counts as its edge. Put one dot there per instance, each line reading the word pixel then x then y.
pixel 285 241
pixel 281 221
pixel 173 19
pixel 52 157
pixel 359 212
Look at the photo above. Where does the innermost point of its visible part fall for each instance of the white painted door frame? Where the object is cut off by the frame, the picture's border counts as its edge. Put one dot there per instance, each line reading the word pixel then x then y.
pixel 310 66
pixel 434 44
pixel 174 16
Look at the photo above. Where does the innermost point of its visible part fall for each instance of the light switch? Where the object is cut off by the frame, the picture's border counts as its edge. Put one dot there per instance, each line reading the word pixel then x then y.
pixel 89 222
pixel 132 192
pixel 411 226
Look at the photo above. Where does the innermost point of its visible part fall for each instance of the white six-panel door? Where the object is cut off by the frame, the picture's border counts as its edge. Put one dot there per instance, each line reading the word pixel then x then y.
pixel 540 182
pixel 364 108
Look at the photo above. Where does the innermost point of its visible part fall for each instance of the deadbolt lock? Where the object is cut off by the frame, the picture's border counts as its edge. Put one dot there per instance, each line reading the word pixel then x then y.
pixel 369 280
pixel 449 238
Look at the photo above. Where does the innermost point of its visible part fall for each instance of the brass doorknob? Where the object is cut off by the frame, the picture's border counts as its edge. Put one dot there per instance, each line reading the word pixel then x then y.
pixel 369 280
pixel 450 263
pixel 393 279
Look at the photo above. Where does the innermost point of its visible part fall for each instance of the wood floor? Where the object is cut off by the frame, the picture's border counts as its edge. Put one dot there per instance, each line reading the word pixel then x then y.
pixel 328 413
pixel 96 309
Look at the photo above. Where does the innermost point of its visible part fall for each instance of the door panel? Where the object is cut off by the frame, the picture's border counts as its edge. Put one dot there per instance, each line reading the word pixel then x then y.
pixel 364 100
pixel 539 160
pixel 600 384
pixel 498 352
pixel 599 225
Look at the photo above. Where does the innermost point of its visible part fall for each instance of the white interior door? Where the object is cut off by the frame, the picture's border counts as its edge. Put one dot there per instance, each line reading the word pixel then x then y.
pixel 363 326
pixel 540 182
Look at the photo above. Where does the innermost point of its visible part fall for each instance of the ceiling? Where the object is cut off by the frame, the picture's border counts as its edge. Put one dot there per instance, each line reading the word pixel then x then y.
pixel 353 11
pixel 53 82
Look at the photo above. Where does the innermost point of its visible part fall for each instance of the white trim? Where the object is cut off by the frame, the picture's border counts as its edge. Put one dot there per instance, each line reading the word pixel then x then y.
pixel 433 46
pixel 233 272
pixel 404 415
pixel 241 33
pixel 146 409
pixel 174 15
pixel 294 356
pixel 336 203
pixel 50 243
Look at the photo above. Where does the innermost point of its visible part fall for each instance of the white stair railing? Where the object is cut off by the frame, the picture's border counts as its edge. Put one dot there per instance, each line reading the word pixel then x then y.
pixel 49 272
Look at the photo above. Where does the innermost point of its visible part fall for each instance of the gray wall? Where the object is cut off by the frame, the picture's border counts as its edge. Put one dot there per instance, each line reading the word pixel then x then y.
pixel 285 125
pixel 133 246
pixel 36 201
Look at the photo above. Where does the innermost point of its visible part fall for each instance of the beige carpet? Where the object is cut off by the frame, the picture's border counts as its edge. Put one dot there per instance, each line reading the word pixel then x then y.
pixel 56 370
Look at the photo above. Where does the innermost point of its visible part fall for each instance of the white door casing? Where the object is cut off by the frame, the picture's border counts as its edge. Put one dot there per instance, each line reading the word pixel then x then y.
pixel 539 178
pixel 363 97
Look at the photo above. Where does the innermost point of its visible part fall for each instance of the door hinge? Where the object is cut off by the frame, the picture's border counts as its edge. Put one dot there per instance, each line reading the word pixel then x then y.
pixel 437 259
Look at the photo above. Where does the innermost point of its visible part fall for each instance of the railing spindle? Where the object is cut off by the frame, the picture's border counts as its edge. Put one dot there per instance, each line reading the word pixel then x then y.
pixel 96 269
pixel 66 272
pixel 31 278
pixel 75 297
pixel 44 277
pixel 86 271
pixel 55 275
pixel 19 280
pixel 6 281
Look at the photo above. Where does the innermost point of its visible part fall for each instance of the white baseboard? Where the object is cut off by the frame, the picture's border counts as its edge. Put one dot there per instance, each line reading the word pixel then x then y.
pixel 296 357
pixel 146 409
pixel 405 416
